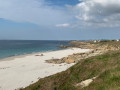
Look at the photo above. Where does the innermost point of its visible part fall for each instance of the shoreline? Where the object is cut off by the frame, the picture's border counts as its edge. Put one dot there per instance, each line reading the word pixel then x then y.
pixel 14 50
pixel 27 54
pixel 28 69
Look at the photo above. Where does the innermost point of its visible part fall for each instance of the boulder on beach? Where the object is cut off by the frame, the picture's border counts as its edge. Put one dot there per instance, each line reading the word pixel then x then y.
pixel 69 61
pixel 39 55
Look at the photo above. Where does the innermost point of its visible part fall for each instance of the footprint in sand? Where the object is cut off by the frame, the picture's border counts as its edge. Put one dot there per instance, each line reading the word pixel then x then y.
pixel 46 72
pixel 38 77
pixel 23 65
pixel 4 68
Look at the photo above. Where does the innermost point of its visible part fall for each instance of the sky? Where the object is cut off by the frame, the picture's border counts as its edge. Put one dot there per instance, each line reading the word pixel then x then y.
pixel 59 19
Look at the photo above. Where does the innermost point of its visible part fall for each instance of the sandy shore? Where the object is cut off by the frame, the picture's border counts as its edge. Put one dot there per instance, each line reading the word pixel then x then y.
pixel 21 71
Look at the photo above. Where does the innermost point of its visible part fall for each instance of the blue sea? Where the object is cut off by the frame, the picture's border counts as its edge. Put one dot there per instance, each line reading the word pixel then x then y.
pixel 10 48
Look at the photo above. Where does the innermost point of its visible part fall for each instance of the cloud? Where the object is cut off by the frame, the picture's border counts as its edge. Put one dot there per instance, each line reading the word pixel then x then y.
pixel 63 25
pixel 102 13
pixel 33 11
pixel 99 13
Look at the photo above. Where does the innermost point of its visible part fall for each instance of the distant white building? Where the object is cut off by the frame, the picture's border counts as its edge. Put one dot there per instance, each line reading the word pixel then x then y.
pixel 95 41
pixel 117 40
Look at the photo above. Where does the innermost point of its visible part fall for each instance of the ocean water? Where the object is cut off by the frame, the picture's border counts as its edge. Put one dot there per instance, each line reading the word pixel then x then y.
pixel 10 48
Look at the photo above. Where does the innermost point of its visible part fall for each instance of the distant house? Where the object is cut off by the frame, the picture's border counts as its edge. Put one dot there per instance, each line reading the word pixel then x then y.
pixel 117 40
pixel 95 41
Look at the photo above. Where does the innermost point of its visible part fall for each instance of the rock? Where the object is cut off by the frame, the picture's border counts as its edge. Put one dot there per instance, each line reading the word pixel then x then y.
pixel 52 60
pixel 68 61
pixel 55 61
pixel 85 83
pixel 62 46
pixel 39 55
pixel 76 57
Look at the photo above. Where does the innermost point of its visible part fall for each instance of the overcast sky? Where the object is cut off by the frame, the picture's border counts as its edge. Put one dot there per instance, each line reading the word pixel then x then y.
pixel 59 19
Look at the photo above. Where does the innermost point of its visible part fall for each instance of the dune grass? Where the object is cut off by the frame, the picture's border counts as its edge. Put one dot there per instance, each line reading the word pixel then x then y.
pixel 106 67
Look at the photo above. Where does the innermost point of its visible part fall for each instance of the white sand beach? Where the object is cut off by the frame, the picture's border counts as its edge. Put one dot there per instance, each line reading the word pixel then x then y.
pixel 21 71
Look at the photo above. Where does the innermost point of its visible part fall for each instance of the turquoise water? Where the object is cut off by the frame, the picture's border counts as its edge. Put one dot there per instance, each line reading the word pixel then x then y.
pixel 10 48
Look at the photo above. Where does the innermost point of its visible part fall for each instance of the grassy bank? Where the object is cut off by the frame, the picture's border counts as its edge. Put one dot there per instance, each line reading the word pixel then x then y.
pixel 106 67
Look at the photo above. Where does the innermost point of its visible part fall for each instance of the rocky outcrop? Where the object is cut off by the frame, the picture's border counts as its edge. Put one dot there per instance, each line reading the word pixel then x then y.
pixel 97 49
pixel 107 45
pixel 83 45
pixel 55 61
pixel 68 61
pixel 63 46
pixel 75 57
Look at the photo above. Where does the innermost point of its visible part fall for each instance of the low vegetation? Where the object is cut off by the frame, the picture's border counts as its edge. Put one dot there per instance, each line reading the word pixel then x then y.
pixel 105 67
